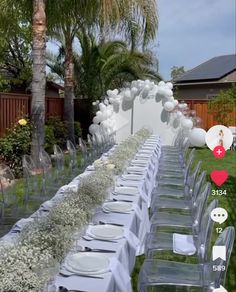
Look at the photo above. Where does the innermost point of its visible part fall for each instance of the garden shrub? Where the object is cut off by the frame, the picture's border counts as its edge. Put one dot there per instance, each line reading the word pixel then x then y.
pixel 15 144
pixel 17 141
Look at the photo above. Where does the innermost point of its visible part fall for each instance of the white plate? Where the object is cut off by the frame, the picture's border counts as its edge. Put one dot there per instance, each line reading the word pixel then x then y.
pixel 136 169
pixel 118 206
pixel 132 177
pixel 126 190
pixel 87 262
pixel 106 232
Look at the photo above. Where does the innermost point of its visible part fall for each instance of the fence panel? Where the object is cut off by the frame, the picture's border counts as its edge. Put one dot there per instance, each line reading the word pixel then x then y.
pixel 15 106
pixel 12 108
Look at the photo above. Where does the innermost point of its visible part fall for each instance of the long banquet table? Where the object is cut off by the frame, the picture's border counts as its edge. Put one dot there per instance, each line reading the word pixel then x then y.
pixel 135 224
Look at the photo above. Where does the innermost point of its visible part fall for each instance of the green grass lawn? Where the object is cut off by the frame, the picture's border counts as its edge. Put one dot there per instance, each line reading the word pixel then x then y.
pixel 209 163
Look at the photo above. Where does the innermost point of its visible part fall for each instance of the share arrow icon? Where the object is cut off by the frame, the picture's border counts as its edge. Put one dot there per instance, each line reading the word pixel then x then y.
pixel 221 289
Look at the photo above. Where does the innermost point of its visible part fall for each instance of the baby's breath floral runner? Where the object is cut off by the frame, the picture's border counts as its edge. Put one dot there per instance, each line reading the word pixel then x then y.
pixel 29 263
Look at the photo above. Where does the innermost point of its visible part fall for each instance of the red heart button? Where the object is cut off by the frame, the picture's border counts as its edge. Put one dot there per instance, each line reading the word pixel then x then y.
pixel 219 176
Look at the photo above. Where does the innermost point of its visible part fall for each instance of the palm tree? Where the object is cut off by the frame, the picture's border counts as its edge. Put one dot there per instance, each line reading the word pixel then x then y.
pixel 119 15
pixel 39 76
pixel 103 66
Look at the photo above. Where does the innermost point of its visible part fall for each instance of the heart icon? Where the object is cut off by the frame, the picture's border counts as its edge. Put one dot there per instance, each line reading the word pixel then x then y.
pixel 219 177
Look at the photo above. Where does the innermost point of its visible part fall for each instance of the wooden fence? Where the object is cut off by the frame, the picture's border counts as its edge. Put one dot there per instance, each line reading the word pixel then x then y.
pixel 201 108
pixel 14 106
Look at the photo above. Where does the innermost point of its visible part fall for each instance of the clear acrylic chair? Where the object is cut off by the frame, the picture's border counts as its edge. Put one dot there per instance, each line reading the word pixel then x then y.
pixel 59 158
pixel 157 274
pixel 8 198
pixel 49 180
pixel 91 149
pixel 33 181
pixel 177 188
pixel 84 160
pixel 160 203
pixel 73 163
pixel 189 222
pixel 161 243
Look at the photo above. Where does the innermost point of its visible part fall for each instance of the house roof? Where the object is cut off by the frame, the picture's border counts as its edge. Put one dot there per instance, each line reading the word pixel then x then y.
pixel 211 70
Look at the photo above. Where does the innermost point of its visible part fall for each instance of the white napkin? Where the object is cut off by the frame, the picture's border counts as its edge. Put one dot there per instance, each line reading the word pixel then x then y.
pixel 47 205
pixel 121 277
pixel 21 223
pixel 183 244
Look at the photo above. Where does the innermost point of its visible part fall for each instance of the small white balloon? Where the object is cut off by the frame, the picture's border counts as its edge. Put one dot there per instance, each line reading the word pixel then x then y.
pixel 96 120
pixel 169 106
pixel 197 137
pixel 93 129
pixel 187 124
pixel 94 103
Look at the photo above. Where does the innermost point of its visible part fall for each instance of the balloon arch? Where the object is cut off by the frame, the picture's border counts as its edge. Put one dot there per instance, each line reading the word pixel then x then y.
pixel 146 103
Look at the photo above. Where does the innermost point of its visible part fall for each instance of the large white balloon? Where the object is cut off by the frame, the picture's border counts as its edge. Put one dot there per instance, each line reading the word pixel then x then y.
pixel 197 137
pixel 170 85
pixel 186 124
pixel 93 129
pixel 169 106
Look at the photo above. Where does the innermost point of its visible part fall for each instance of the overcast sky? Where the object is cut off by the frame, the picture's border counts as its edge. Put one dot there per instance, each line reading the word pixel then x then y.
pixel 193 31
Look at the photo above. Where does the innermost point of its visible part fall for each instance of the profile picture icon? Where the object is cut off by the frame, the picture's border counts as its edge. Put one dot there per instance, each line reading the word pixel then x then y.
pixel 219 135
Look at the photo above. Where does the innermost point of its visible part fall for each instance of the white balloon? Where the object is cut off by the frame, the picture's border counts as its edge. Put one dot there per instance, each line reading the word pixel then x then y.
pixel 179 114
pixel 197 137
pixel 96 120
pixel 106 102
pixel 127 95
pixel 94 129
pixel 168 92
pixel 134 91
pixel 111 100
pixel 171 98
pixel 170 85
pixel 175 102
pixel 94 103
pixel 187 124
pixel 102 107
pixel 145 91
pixel 161 83
pixel 169 106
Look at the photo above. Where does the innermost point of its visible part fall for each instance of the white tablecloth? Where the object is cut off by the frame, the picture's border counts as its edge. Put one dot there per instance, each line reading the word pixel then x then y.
pixel 136 223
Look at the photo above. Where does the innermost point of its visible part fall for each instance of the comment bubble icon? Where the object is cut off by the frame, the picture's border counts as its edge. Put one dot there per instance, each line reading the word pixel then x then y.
pixel 219 215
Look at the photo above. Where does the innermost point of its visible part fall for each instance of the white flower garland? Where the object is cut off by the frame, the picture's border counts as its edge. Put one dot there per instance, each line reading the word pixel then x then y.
pixel 27 265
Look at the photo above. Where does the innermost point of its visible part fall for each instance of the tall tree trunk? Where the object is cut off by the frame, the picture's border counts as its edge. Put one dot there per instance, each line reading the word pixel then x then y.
pixel 39 77
pixel 69 89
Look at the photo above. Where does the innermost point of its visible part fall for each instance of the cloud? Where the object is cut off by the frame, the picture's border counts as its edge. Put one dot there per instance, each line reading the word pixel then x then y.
pixel 191 32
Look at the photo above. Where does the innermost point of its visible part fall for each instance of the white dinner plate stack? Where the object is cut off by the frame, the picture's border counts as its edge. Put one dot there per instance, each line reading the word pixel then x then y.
pixel 87 263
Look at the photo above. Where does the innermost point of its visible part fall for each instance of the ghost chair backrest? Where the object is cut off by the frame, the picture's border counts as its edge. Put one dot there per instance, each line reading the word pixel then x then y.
pixel 204 237
pixel 199 207
pixel 7 185
pixel 59 157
